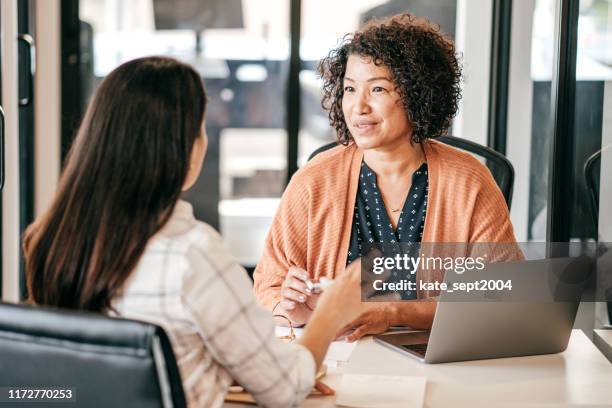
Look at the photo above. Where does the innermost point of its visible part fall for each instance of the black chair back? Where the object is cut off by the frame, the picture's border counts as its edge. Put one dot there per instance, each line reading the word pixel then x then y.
pixel 108 362
pixel 592 169
pixel 498 164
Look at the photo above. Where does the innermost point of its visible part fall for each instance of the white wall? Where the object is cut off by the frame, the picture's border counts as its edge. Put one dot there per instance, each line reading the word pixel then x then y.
pixel 47 127
pixel 10 195
pixel 473 41
pixel 47 108
pixel 520 101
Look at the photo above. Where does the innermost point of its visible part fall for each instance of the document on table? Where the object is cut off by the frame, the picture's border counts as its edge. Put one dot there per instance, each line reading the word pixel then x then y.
pixel 340 351
pixel 381 391
pixel 280 331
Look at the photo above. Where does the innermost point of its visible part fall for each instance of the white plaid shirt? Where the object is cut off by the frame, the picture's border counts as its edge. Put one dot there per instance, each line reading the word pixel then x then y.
pixel 188 283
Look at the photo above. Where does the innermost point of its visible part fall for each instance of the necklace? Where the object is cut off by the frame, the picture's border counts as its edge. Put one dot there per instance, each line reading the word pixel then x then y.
pixel 398 209
pixel 394 210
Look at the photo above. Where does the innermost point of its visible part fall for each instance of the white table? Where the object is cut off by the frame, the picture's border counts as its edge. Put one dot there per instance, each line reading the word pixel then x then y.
pixel 580 376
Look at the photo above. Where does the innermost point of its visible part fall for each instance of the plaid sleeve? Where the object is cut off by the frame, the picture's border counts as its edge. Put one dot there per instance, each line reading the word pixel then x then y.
pixel 238 333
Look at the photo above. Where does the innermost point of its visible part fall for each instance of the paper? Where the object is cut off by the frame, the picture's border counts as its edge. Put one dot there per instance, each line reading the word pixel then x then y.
pixel 280 331
pixel 340 351
pixel 381 391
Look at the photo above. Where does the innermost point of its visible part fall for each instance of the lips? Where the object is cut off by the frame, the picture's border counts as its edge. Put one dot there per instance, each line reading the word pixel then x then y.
pixel 364 126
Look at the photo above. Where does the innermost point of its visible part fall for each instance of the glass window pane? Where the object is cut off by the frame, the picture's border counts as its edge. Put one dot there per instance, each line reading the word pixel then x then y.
pixel 529 116
pixel 593 81
pixel 593 136
pixel 241 49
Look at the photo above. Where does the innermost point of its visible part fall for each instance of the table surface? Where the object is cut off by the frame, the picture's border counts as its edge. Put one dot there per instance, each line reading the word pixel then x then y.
pixel 580 375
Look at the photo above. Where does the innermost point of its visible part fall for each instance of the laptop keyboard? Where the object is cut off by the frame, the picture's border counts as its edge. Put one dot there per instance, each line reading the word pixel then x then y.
pixel 420 349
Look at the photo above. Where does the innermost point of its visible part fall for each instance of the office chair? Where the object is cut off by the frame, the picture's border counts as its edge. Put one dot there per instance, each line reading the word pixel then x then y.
pixel 591 171
pixel 500 166
pixel 108 362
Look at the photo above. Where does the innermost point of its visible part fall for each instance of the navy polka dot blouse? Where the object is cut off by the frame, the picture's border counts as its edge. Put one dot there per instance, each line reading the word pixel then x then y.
pixel 371 224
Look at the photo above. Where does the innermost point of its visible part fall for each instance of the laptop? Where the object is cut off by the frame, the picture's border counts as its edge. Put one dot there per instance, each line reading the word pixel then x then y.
pixel 497 327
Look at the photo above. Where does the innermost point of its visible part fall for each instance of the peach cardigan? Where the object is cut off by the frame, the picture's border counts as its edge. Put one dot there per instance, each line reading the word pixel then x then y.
pixel 312 226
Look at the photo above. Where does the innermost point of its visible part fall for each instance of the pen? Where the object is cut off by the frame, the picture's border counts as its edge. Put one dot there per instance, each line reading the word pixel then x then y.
pixel 317 287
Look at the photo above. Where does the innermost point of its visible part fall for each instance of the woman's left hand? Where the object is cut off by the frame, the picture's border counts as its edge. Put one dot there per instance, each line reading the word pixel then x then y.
pixel 376 319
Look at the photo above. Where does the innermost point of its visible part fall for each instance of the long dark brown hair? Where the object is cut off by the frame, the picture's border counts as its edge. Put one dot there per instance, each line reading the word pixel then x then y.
pixel 121 181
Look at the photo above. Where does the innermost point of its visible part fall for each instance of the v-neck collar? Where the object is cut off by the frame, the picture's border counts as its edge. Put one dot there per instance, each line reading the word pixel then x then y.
pixel 367 175
pixel 354 158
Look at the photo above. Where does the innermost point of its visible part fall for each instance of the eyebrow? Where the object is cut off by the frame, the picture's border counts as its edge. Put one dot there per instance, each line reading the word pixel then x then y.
pixel 370 79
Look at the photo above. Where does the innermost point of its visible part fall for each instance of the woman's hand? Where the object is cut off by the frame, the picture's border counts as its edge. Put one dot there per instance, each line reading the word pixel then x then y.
pixel 339 304
pixel 376 319
pixel 342 298
pixel 297 300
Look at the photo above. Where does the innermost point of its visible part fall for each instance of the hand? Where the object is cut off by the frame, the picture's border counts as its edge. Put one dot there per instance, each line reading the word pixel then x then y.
pixel 342 299
pixel 297 300
pixel 323 388
pixel 376 319
pixel 340 303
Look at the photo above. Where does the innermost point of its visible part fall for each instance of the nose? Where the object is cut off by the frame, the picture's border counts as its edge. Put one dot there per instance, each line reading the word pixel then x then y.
pixel 362 103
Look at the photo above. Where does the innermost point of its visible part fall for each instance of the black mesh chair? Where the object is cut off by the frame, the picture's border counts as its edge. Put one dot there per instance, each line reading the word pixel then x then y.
pixel 592 168
pixel 500 166
pixel 108 362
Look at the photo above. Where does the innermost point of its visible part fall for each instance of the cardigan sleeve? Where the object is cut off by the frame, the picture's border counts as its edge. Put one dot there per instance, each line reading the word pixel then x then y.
pixel 286 244
pixel 491 223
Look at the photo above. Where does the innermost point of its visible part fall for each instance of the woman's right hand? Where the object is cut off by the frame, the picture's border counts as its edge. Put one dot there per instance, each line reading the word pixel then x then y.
pixel 297 300
pixel 342 299
pixel 338 305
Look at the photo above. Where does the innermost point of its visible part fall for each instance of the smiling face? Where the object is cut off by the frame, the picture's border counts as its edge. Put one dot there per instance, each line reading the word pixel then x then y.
pixel 372 107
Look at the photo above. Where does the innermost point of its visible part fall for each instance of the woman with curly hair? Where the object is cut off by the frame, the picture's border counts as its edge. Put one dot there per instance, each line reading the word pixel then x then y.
pixel 390 89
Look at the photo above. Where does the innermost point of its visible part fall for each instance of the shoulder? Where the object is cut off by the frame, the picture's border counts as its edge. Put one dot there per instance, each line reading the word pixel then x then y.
pixel 173 255
pixel 325 168
pixel 201 258
pixel 206 249
pixel 457 165
pixel 193 243
pixel 183 231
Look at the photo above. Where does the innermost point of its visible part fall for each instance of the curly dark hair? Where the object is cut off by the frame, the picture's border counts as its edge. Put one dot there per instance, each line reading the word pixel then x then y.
pixel 423 65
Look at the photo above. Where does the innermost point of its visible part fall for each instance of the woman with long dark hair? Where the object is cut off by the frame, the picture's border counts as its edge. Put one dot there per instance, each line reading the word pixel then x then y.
pixel 117 239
